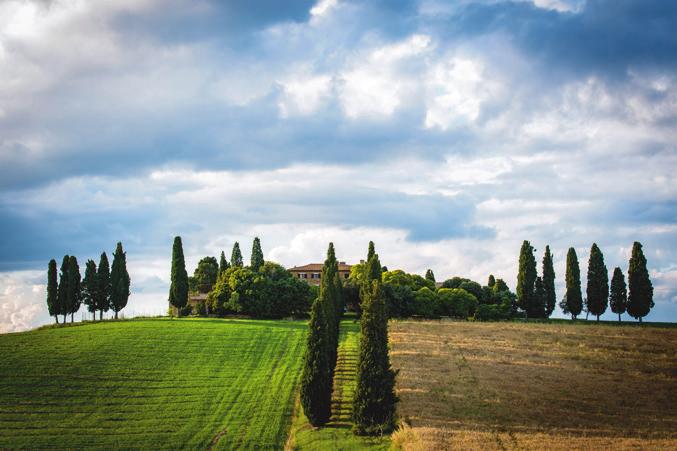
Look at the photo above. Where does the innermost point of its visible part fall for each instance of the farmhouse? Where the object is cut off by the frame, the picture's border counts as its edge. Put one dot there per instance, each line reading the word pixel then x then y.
pixel 312 272
pixel 194 299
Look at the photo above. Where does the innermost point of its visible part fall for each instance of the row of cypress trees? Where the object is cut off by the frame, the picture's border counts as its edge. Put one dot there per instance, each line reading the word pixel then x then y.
pixel 375 399
pixel 536 295
pixel 319 360
pixel 101 289
pixel 178 289
pixel 635 298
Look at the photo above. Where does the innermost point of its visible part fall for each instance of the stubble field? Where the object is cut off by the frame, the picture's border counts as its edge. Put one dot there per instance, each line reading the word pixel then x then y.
pixel 501 386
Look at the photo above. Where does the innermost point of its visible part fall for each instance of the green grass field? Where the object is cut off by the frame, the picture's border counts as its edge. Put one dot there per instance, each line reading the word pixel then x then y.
pixel 152 383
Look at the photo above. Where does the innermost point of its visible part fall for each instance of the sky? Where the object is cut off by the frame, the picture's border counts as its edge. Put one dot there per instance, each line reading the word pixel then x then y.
pixel 446 132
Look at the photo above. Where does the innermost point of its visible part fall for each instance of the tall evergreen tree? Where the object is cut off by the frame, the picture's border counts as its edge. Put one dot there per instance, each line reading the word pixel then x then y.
pixel 574 301
pixel 429 275
pixel 90 288
pixel 74 287
pixel 330 293
pixel 618 298
pixel 539 299
pixel 236 256
pixel 316 379
pixel 62 290
pixel 52 290
pixel 371 250
pixel 375 399
pixel 257 255
pixel 103 277
pixel 597 290
pixel 178 289
pixel 526 280
pixel 492 281
pixel 119 280
pixel 640 289
pixel 550 297
pixel 223 263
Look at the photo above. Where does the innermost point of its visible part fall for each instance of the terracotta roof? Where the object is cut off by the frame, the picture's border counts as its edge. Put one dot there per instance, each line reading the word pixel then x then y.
pixel 317 267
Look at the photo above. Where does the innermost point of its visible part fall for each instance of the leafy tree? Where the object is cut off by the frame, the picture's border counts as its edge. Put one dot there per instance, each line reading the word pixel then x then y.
pixel 375 400
pixel 426 303
pixel 74 297
pixel 429 275
pixel 640 289
pixel 492 281
pixel 236 256
pixel 573 302
pixel 90 288
pixel 205 274
pixel 62 290
pixel 257 255
pixel 178 290
pixel 400 302
pixel 598 283
pixel 52 290
pixel 468 285
pixel 223 263
pixel 104 292
pixel 550 297
pixel 619 294
pixel 119 281
pixel 526 281
pixel 456 302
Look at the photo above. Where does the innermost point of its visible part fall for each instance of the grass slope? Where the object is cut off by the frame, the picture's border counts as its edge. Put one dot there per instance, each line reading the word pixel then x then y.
pixel 337 434
pixel 151 384
pixel 499 386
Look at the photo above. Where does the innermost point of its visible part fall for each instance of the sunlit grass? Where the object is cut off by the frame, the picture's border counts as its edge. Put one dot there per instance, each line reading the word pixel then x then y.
pixel 151 384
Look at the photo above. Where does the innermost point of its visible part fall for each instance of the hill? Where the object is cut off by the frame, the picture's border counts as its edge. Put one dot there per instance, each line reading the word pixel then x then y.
pixel 466 385
pixel 152 383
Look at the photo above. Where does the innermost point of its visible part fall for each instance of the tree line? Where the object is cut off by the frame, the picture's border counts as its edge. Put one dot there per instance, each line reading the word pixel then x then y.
pixel 375 400
pixel 102 289
pixel 536 294
pixel 261 290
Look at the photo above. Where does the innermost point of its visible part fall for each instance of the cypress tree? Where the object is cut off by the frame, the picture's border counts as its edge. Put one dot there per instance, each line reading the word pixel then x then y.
pixel 539 299
pixel 103 276
pixel 90 288
pixel 236 256
pixel 62 291
pixel 316 379
pixel 223 263
pixel 574 301
pixel 597 290
pixel 371 250
pixel 640 289
pixel 526 280
pixel 618 298
pixel 178 290
pixel 52 290
pixel 257 255
pixel 492 281
pixel 375 399
pixel 550 297
pixel 330 293
pixel 119 280
pixel 430 275
pixel 74 287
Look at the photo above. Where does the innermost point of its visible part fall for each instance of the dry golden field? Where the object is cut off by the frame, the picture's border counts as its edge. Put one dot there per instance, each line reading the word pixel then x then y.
pixel 465 385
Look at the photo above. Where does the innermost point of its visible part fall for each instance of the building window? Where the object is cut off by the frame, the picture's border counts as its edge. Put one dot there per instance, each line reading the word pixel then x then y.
pixel 303 275
pixel 345 276
pixel 316 275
